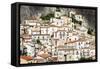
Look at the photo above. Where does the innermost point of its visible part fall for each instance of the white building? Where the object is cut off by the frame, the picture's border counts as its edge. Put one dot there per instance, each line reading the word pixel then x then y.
pixel 84 30
pixel 57 13
pixel 30 49
pixel 72 13
pixel 44 30
pixel 44 38
pixel 27 38
pixel 61 56
pixel 57 22
pixel 34 32
pixel 52 29
pixel 65 18
pixel 33 23
pixel 79 17
pixel 60 34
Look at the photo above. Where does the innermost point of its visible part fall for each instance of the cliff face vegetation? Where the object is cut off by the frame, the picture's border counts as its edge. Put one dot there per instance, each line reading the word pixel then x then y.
pixel 27 11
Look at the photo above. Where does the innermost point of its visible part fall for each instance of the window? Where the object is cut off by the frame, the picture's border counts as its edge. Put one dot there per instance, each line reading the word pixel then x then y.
pixel 60 35
pixel 75 38
pixel 70 57
pixel 43 37
pixel 67 34
pixel 63 34
pixel 79 43
pixel 57 23
pixel 61 21
pixel 70 39
pixel 77 53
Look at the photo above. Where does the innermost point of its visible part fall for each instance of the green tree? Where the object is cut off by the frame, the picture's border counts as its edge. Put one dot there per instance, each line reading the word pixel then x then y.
pixel 90 31
pixel 52 36
pixel 47 17
pixel 85 59
pixel 39 42
pixel 80 22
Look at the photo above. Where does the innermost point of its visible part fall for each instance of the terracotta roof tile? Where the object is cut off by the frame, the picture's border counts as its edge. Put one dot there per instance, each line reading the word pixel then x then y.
pixel 26 57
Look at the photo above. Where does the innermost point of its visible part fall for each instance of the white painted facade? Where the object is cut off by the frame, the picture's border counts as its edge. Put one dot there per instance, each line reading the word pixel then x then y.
pixel 57 22
pixel 60 34
pixel 44 30
pixel 71 13
pixel 78 17
pixel 57 14
pixel 33 23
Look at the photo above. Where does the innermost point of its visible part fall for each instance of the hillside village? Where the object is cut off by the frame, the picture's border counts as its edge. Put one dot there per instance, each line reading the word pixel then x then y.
pixel 56 38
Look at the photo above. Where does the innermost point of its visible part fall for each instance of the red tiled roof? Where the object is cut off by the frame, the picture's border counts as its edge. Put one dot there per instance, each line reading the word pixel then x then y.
pixel 27 36
pixel 26 57
pixel 44 55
